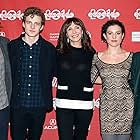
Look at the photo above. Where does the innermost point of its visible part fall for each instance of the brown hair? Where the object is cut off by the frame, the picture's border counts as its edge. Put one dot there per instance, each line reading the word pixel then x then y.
pixel 63 45
pixel 34 11
pixel 109 23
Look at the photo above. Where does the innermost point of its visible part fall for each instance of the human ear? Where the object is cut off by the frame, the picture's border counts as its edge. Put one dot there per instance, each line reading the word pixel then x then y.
pixel 23 24
pixel 41 28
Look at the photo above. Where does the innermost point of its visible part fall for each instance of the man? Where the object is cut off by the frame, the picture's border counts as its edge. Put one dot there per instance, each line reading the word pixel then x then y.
pixel 135 85
pixel 5 88
pixel 33 65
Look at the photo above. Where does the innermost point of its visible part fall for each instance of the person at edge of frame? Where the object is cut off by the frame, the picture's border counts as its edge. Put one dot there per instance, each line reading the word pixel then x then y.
pixel 135 86
pixel 5 88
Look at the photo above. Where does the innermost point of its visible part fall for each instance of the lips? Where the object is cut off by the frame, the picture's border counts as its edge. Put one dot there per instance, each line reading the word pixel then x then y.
pixel 113 40
pixel 74 36
pixel 32 31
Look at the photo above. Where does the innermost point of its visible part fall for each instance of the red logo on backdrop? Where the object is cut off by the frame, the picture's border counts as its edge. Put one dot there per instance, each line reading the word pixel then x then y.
pixel 52 124
pixel 137 14
pixel 54 36
pixel 11 15
pixel 54 14
pixel 96 103
pixel 102 13
pixel 57 14
pixel 54 82
pixel 2 34
pixel 54 106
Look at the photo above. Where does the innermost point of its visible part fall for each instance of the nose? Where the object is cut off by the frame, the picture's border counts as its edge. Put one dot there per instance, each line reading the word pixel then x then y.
pixel 32 25
pixel 73 30
pixel 114 36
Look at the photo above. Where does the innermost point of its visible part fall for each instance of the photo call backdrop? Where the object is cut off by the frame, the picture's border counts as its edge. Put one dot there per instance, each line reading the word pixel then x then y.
pixel 93 13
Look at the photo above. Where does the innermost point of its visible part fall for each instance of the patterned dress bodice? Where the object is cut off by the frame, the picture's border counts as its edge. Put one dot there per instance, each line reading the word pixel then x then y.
pixel 116 98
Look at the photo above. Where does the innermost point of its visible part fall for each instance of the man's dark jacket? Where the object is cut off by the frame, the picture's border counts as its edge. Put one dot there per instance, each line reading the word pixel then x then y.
pixel 135 85
pixel 47 64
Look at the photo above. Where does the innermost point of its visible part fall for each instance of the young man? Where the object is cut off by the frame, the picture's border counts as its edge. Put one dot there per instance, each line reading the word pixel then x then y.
pixel 5 88
pixel 135 85
pixel 33 66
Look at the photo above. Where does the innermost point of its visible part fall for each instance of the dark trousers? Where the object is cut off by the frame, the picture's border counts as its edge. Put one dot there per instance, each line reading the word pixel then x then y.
pixel 4 121
pixel 67 118
pixel 26 124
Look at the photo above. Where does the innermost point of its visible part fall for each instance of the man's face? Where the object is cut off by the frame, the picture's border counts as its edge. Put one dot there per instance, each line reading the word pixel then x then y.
pixel 32 25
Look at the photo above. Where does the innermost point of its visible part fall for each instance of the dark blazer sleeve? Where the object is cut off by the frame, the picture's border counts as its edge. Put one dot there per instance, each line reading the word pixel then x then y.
pixel 135 86
pixel 135 74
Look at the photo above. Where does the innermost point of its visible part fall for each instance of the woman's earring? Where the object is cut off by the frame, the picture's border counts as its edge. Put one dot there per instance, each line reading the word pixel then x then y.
pixel 68 40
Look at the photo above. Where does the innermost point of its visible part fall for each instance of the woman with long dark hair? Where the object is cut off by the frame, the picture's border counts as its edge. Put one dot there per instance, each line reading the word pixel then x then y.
pixel 74 99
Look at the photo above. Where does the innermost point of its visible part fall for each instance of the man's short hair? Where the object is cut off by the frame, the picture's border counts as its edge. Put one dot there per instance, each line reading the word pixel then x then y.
pixel 34 11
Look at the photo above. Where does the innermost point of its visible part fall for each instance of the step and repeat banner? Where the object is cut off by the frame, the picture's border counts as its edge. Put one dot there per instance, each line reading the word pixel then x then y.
pixel 93 13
